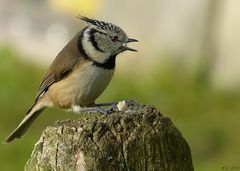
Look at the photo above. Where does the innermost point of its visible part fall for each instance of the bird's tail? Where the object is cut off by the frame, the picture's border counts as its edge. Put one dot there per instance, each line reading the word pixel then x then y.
pixel 31 115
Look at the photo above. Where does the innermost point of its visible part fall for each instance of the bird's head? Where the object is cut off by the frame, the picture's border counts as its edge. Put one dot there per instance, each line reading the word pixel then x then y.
pixel 102 39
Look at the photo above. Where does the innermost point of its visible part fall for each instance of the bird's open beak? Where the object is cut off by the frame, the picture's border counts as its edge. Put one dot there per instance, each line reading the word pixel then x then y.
pixel 128 48
pixel 132 40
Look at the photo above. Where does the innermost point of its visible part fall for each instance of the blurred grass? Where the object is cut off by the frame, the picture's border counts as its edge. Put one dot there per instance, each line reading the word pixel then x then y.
pixel 208 118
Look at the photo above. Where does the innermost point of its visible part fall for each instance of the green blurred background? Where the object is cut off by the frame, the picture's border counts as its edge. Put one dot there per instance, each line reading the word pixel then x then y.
pixel 187 66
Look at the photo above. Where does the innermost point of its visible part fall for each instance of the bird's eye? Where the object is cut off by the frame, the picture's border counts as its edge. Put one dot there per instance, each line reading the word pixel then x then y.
pixel 114 39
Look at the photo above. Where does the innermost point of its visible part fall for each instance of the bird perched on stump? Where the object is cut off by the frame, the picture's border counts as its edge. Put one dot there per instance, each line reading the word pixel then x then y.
pixel 79 73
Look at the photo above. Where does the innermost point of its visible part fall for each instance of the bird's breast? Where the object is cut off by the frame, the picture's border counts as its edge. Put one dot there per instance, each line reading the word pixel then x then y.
pixel 81 87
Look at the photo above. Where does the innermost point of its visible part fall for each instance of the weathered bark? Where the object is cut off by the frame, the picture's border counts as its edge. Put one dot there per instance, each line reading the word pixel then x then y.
pixel 140 138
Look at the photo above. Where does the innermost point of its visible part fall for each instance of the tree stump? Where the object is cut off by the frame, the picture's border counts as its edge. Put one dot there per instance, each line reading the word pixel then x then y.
pixel 138 139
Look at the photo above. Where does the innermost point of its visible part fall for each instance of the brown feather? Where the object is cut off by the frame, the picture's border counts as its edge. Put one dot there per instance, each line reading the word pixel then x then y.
pixel 62 65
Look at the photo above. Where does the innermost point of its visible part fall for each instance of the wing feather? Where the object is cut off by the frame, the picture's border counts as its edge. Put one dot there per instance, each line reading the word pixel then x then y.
pixel 62 66
pixel 47 80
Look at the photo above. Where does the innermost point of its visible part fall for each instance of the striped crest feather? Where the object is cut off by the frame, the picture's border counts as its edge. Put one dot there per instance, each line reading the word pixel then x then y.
pixel 100 24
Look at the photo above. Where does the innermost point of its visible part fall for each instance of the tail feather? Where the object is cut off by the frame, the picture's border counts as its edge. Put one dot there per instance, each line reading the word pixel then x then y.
pixel 32 114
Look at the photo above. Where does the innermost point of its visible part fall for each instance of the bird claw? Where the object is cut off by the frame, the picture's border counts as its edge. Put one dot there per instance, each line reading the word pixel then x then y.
pixel 99 110
pixel 102 111
pixel 107 111
pixel 113 107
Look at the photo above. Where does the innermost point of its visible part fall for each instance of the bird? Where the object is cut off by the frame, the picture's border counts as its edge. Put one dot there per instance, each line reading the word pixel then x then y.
pixel 79 73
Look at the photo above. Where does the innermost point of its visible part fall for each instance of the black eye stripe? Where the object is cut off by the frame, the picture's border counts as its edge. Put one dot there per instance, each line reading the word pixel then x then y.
pixel 109 64
pixel 93 41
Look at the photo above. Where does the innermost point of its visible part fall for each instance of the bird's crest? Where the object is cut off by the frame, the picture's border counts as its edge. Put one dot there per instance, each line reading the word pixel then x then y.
pixel 100 24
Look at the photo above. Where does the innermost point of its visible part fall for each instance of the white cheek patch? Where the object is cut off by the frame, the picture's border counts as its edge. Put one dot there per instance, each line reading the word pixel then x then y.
pixel 91 51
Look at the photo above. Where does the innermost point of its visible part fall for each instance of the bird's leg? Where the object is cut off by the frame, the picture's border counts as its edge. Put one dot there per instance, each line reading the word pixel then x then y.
pixel 112 105
pixel 77 109
pixel 94 108
pixel 106 104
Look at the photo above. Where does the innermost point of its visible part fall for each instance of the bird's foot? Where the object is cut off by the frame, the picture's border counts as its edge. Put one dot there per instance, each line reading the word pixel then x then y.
pixel 100 110
pixel 114 106
pixel 106 104
pixel 77 109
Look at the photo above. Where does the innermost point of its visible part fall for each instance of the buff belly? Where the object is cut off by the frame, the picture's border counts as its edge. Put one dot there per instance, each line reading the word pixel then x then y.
pixel 81 87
